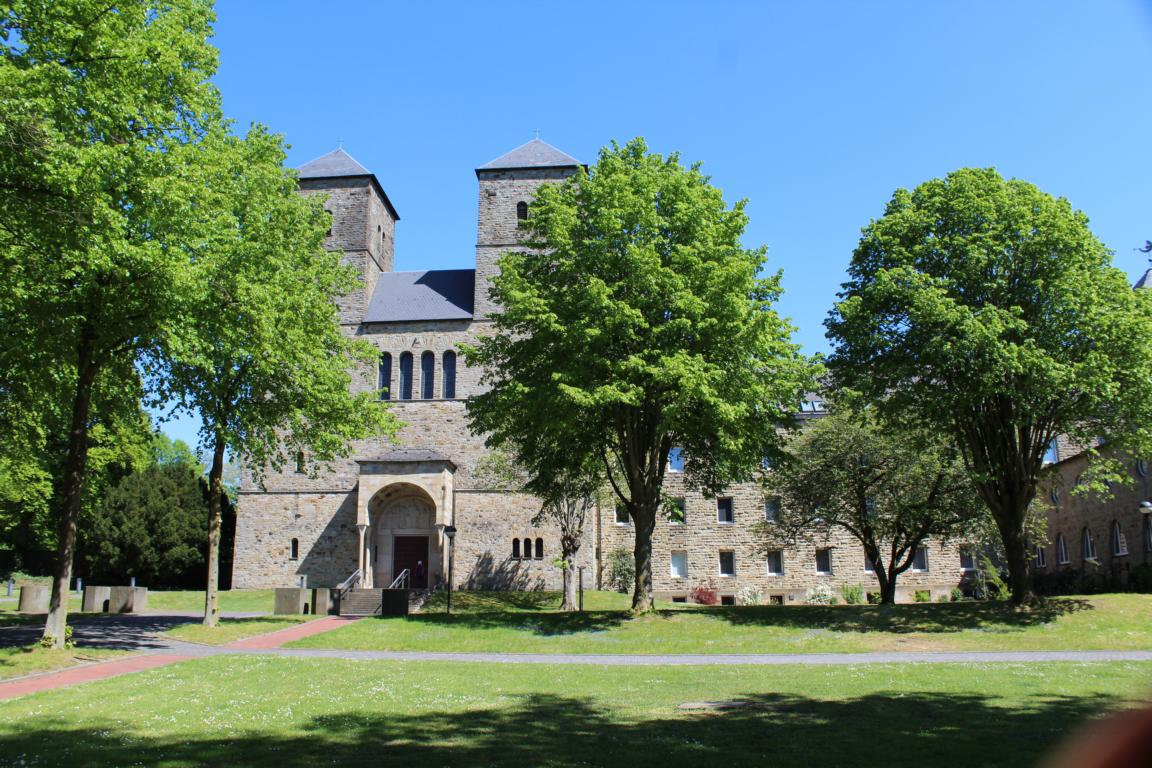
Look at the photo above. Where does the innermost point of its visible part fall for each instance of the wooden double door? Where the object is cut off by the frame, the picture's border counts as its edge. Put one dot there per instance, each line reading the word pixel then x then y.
pixel 411 552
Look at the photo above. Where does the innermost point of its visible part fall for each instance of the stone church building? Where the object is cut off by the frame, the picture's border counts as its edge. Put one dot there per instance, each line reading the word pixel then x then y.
pixel 386 507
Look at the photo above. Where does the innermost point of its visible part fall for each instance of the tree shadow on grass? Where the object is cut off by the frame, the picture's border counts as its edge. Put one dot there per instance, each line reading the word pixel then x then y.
pixel 905 618
pixel 890 729
pixel 546 624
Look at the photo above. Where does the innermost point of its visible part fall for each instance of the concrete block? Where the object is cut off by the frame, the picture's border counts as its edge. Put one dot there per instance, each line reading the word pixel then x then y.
pixel 34 598
pixel 292 601
pixel 395 602
pixel 322 602
pixel 127 599
pixel 96 599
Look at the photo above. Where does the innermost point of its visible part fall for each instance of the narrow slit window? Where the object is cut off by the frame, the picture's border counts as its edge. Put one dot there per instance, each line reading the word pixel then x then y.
pixel 449 385
pixel 427 373
pixel 515 549
pixel 539 549
pixel 295 549
pixel 521 210
pixel 385 383
pixel 405 375
pixel 299 462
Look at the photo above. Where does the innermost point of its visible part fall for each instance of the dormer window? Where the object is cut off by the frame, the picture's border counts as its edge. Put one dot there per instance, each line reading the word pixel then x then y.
pixel 521 210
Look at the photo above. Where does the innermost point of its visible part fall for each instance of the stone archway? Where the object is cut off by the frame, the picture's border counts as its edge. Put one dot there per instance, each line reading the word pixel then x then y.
pixel 403 534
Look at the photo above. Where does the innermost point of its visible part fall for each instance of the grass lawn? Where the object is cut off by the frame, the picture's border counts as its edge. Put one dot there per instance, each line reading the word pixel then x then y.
pixel 527 623
pixel 233 629
pixel 279 712
pixel 237 600
pixel 16 662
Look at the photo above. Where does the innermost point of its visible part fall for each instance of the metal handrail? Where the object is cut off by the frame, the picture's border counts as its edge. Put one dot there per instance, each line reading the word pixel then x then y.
pixel 350 582
pixel 401 581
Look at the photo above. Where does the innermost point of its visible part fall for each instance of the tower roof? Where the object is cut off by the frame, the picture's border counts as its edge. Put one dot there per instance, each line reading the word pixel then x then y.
pixel 534 154
pixel 338 164
pixel 332 165
pixel 1145 280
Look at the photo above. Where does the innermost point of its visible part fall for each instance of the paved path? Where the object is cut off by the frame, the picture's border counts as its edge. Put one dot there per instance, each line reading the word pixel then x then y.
pixel 278 638
pixel 86 673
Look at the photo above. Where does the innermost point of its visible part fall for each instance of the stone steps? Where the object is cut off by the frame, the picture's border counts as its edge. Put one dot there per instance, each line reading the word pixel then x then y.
pixel 361 602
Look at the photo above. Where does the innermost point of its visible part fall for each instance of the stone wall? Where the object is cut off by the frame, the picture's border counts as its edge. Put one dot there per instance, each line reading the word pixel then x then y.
pixel 1073 514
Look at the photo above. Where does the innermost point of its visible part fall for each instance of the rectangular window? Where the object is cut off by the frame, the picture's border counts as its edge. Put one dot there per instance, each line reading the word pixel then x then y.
pixel 724 510
pixel 679 565
pixel 727 563
pixel 772 509
pixel 775 562
pixel 920 560
pixel 824 560
pixel 1039 557
pixel 676 513
pixel 621 514
pixel 967 559
pixel 868 564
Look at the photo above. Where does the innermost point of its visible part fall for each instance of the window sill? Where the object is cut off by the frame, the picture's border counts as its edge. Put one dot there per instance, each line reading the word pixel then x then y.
pixel 823 573
pixel 727 575
pixel 725 522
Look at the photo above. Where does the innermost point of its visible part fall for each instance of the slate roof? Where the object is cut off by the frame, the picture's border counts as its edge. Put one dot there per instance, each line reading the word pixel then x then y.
pixel 1145 280
pixel 442 294
pixel 338 164
pixel 534 154
pixel 335 164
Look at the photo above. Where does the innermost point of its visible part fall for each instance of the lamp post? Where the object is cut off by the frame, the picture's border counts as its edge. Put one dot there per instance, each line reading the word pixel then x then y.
pixel 450 533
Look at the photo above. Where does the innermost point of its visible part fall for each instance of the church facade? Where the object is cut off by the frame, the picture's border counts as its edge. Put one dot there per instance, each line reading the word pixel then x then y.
pixel 385 509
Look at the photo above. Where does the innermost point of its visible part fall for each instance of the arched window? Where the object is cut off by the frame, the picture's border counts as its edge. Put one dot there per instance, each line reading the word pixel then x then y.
pixel 385 376
pixel 427 369
pixel 448 387
pixel 1061 549
pixel 405 375
pixel 1087 545
pixel 295 549
pixel 1119 541
pixel 299 462
pixel 515 549
pixel 527 549
pixel 539 549
pixel 521 210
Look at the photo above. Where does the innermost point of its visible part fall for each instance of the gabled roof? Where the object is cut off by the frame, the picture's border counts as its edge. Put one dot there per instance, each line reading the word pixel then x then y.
pixel 534 154
pixel 338 164
pixel 335 164
pixel 442 294
pixel 1145 280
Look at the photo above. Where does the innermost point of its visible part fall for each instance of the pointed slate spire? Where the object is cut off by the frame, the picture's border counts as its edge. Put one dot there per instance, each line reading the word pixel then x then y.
pixel 1145 280
pixel 534 154
pixel 332 165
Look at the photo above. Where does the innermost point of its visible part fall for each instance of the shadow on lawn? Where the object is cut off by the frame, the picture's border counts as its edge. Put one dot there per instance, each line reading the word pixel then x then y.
pixel 548 624
pixel 912 729
pixel 904 618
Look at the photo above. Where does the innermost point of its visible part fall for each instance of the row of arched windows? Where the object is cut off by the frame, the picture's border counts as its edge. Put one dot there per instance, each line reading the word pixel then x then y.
pixel 1118 543
pixel 427 376
pixel 525 553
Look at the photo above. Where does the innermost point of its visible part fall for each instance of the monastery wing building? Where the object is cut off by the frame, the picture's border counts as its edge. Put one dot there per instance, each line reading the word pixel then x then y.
pixel 386 507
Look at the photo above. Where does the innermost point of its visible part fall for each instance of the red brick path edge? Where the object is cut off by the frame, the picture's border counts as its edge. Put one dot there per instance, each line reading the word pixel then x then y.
pixel 87 673
pixel 282 636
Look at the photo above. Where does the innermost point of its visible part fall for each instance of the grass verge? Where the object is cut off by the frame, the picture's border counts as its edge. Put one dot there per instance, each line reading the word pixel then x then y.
pixel 273 711
pixel 229 630
pixel 17 662
pixel 1100 622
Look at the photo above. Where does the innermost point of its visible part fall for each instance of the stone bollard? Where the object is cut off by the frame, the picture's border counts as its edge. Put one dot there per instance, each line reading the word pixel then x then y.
pixel 96 599
pixel 127 599
pixel 291 601
pixel 34 598
pixel 322 602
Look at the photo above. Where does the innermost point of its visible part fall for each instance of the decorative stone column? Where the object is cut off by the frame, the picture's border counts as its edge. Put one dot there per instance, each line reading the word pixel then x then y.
pixel 361 528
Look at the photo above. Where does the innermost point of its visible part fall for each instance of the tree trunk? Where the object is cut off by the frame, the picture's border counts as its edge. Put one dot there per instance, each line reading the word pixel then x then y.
pixel 569 603
pixel 215 490
pixel 75 470
pixel 887 584
pixel 642 595
pixel 1016 555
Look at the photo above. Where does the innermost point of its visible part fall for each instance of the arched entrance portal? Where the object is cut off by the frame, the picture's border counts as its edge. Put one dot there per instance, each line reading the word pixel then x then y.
pixel 403 535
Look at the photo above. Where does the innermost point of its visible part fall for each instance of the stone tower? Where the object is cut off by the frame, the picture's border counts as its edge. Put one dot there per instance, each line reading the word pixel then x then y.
pixel 363 221
pixel 507 186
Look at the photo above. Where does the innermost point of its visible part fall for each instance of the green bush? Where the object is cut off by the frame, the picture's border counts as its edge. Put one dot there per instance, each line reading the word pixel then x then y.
pixel 923 596
pixel 853 594
pixel 621 570
pixel 957 594
pixel 874 598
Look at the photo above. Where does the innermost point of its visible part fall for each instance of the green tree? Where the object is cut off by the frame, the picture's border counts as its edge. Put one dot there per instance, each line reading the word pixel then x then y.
pixel 259 352
pixel 890 487
pixel 98 101
pixel 988 310
pixel 633 322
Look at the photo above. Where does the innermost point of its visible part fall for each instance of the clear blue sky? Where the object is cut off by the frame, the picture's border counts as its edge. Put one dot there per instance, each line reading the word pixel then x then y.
pixel 813 111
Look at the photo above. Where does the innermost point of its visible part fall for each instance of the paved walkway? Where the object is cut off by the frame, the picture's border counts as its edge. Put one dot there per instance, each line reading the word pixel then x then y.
pixel 278 638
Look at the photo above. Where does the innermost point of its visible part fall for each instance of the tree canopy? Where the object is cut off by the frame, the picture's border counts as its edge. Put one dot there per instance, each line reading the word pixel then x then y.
pixel 987 309
pixel 891 487
pixel 634 321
